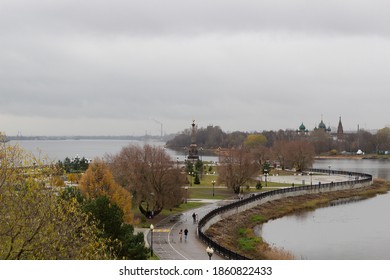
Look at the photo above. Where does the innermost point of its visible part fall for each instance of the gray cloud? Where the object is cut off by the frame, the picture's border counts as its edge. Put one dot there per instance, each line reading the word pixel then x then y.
pixel 243 65
pixel 178 16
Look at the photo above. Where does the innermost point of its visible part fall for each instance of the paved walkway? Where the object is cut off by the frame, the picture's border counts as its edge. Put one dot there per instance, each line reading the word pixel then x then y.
pixel 308 179
pixel 166 239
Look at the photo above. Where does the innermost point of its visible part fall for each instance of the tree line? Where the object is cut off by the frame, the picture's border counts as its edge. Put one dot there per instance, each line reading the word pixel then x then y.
pixel 244 156
pixel 213 137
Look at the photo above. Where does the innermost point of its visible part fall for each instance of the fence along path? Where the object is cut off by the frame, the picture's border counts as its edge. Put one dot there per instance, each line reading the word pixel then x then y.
pixel 354 180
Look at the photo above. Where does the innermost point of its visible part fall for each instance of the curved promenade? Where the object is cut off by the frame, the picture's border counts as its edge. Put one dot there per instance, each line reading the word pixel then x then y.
pixel 353 180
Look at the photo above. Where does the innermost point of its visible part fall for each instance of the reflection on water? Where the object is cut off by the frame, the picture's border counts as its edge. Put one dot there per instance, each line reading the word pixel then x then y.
pixel 342 201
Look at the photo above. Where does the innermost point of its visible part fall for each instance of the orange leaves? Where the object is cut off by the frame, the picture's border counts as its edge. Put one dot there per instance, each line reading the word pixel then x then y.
pixel 98 181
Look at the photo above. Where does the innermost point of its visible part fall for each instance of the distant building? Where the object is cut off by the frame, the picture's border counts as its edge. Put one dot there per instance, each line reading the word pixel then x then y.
pixel 340 130
pixel 302 130
pixel 323 127
pixel 337 136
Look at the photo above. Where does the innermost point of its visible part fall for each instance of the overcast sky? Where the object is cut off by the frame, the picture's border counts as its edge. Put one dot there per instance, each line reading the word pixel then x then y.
pixel 123 67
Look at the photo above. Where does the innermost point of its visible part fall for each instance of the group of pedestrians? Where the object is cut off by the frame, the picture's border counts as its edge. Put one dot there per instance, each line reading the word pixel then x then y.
pixel 185 231
pixel 185 234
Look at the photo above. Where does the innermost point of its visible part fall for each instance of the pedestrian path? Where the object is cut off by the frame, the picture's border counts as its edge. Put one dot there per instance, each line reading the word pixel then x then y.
pixel 308 179
pixel 166 239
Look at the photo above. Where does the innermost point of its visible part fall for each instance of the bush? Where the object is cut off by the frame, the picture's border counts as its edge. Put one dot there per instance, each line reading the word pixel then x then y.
pixel 196 180
pixel 258 218
pixel 248 243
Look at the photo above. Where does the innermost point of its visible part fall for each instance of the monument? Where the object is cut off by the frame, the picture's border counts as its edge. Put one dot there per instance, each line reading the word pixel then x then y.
pixel 193 153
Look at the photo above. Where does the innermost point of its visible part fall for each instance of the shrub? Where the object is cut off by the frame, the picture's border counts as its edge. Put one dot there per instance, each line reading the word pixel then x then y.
pixel 248 243
pixel 258 218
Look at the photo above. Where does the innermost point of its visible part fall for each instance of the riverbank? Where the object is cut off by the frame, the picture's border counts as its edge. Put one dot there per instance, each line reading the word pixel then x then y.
pixel 241 237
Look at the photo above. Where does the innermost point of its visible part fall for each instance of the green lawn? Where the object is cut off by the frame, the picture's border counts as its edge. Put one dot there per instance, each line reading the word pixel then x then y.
pixel 204 190
pixel 197 192
pixel 205 180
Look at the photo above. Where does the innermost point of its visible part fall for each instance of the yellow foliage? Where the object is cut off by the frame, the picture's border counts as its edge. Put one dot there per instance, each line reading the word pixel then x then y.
pixel 57 181
pixel 35 223
pixel 99 181
pixel 255 140
pixel 73 178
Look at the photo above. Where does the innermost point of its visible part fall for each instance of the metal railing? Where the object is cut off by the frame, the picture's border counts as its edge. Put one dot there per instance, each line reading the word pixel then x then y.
pixel 355 178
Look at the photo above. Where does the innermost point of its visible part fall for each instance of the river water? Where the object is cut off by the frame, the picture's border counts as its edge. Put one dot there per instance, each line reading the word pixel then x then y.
pixel 56 150
pixel 352 231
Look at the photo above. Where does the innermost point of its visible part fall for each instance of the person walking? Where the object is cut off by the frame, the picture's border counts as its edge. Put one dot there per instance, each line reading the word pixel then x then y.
pixel 185 234
pixel 181 235
pixel 194 217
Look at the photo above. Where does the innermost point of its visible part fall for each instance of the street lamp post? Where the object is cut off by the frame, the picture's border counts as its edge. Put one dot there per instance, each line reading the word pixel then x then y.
pixel 192 177
pixel 266 174
pixel 213 182
pixel 311 178
pixel 329 169
pixel 186 198
pixel 210 252
pixel 151 239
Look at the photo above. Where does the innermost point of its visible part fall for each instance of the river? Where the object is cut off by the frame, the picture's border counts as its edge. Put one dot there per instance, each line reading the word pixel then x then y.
pixel 56 150
pixel 352 231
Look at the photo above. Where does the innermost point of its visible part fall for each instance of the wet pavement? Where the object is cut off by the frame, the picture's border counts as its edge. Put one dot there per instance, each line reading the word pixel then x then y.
pixel 166 239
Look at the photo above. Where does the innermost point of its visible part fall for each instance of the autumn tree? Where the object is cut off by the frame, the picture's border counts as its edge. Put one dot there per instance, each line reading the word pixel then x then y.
pixel 210 137
pixel 383 139
pixel 256 143
pixel 321 140
pixel 367 141
pixel 236 168
pixel 255 140
pixel 150 174
pixel 279 153
pixel 299 154
pixel 35 222
pixel 99 181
